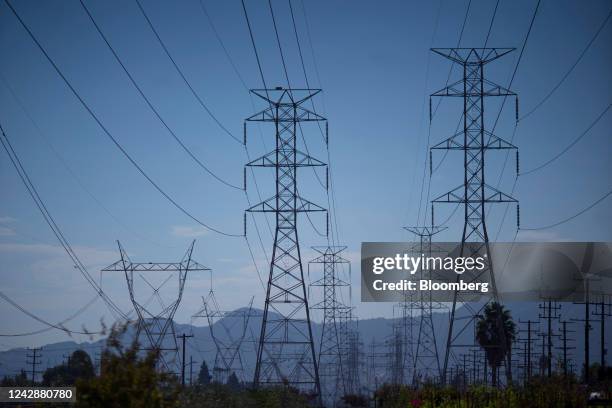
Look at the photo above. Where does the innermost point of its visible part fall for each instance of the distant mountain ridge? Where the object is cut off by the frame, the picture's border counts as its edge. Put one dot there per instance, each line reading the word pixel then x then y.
pixel 378 329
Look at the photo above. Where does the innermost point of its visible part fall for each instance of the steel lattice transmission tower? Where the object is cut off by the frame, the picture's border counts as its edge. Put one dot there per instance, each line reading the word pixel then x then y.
pixel 400 344
pixel 332 341
pixel 351 351
pixel 474 140
pixel 157 325
pixel 286 353
pixel 426 366
pixel 227 330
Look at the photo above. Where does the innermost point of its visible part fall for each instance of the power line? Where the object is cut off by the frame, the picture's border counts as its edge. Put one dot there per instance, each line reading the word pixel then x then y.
pixel 282 55
pixel 246 16
pixel 330 190
pixel 218 36
pixel 232 63
pixel 69 168
pixel 41 320
pixel 280 48
pixel 518 61
pixel 327 186
pixel 195 94
pixel 74 315
pixel 450 71
pixel 148 102
pixel 425 86
pixel 237 72
pixel 576 140
pixel 109 135
pixel 465 18
pixel 491 23
pixel 286 77
pixel 533 17
pixel 6 144
pixel 579 213
pixel 570 70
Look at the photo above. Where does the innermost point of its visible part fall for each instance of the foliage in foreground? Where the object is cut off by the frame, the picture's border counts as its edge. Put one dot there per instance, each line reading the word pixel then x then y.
pixel 225 396
pixel 127 379
pixel 555 392
pixel 130 379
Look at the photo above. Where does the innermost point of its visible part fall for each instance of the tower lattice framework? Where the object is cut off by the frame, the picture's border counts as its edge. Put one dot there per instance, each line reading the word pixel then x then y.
pixel 426 366
pixel 474 193
pixel 333 340
pixel 286 352
pixel 156 324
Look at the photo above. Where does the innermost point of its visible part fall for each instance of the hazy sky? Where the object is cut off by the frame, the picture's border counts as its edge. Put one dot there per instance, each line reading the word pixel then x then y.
pixel 376 71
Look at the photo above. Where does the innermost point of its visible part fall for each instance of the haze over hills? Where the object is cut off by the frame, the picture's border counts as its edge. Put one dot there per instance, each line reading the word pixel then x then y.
pixel 201 346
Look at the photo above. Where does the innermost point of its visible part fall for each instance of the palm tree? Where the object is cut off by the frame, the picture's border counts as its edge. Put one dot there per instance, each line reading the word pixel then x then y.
pixel 495 332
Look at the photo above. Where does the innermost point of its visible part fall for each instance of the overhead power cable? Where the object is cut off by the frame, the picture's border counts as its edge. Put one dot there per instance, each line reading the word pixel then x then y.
pixel 568 147
pixel 491 23
pixel 579 213
pixel 27 182
pixel 60 324
pixel 427 144
pixel 282 55
pixel 518 62
pixel 148 102
pixel 570 70
pixel 69 169
pixel 334 214
pixel 450 71
pixel 520 57
pixel 109 134
pixel 246 16
pixel 299 46
pixel 220 41
pixel 180 72
pixel 41 320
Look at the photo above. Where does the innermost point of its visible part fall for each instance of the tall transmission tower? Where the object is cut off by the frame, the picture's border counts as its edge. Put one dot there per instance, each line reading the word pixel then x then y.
pixel 400 344
pixel 228 331
pixel 426 366
pixel 376 366
pixel 157 325
pixel 331 346
pixel 353 363
pixel 286 352
pixel 474 193
pixel 351 349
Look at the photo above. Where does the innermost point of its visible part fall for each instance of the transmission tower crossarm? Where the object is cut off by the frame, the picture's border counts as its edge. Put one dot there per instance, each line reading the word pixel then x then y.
pixel 456 142
pixel 472 55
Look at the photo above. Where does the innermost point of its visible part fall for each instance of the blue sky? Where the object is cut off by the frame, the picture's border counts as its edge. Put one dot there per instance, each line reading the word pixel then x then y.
pixel 376 71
